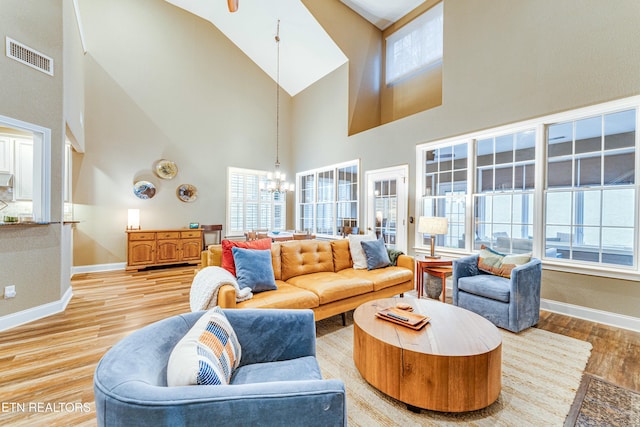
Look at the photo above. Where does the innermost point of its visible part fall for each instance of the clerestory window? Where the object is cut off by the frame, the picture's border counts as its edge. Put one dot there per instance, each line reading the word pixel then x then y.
pixel 416 46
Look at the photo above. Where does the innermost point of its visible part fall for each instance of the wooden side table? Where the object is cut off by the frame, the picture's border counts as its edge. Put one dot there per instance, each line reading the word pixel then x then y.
pixel 437 267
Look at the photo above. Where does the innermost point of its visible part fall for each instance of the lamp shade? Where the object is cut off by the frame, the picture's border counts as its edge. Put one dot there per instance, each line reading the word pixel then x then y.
pixel 433 225
pixel 133 219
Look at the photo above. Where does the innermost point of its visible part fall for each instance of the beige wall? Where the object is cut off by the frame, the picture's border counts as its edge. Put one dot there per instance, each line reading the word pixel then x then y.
pixel 365 55
pixel 546 57
pixel 73 77
pixel 162 83
pixel 30 256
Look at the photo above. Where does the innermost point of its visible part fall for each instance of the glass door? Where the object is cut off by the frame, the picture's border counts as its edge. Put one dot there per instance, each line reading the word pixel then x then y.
pixel 387 203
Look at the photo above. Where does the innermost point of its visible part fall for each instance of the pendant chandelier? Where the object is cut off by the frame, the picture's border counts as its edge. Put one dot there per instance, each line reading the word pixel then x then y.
pixel 276 181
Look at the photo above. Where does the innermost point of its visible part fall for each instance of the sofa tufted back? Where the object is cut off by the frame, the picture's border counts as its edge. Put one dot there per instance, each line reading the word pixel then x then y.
pixel 294 258
pixel 305 257
pixel 341 254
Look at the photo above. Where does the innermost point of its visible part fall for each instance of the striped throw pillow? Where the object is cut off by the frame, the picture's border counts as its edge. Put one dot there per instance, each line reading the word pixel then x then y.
pixel 207 355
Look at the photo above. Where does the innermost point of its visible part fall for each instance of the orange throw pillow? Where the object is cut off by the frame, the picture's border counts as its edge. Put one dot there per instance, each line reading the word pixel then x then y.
pixel 227 253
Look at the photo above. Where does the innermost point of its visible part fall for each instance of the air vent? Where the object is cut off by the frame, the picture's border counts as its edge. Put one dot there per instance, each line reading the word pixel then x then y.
pixel 30 57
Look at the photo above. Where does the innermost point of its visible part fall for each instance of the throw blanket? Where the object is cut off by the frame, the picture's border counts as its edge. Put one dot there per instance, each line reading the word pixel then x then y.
pixel 206 285
pixel 393 255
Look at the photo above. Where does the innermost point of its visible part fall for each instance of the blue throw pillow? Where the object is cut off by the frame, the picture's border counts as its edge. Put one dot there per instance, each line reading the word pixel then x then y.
pixel 376 253
pixel 254 269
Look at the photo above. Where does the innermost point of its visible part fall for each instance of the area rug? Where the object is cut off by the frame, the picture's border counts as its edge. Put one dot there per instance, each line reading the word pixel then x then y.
pixel 541 372
pixel 600 403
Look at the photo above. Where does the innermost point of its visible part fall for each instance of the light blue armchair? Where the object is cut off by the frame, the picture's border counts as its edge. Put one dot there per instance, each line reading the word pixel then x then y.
pixel 278 382
pixel 512 304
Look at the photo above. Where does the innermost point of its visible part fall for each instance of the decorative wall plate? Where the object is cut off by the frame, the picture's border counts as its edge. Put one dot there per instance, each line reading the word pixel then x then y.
pixel 144 189
pixel 187 193
pixel 166 169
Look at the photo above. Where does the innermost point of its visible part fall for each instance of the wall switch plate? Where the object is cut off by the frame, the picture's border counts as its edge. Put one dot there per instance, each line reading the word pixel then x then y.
pixel 9 292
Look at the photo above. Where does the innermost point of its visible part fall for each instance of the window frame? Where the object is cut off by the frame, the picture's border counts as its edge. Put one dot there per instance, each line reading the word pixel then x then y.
pixel 455 197
pixel 419 23
pixel 41 196
pixel 319 199
pixel 540 125
pixel 260 202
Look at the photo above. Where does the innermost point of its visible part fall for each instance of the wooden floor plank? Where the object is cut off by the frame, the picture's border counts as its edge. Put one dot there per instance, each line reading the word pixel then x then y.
pixel 52 360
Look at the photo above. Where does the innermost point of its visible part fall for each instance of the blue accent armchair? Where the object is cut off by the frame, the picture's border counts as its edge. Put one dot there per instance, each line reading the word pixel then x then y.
pixel 512 304
pixel 277 383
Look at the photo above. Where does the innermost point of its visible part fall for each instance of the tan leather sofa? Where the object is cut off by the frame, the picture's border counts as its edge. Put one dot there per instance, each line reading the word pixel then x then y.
pixel 318 275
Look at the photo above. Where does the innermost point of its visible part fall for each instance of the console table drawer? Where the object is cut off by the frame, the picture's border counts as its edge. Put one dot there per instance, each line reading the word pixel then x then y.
pixel 191 234
pixel 168 235
pixel 142 236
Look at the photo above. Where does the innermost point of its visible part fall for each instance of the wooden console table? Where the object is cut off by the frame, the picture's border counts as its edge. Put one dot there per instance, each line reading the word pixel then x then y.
pixel 146 248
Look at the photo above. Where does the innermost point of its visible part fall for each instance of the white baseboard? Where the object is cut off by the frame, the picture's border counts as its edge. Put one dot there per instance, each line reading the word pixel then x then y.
pixel 96 268
pixel 592 314
pixel 29 315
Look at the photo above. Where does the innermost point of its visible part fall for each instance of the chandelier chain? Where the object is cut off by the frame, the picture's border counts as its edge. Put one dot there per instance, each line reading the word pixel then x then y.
pixel 278 96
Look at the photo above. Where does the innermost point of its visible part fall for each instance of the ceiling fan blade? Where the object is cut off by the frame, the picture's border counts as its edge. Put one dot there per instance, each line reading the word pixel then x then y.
pixel 233 5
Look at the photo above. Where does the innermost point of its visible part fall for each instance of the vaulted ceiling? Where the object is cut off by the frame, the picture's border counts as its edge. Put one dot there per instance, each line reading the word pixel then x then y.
pixel 307 53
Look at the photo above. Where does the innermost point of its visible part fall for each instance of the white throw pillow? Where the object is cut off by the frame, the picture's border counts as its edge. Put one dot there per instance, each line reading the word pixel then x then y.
pixel 357 253
pixel 207 354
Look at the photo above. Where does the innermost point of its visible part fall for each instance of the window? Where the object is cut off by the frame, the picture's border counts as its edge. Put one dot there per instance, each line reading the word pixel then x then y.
pixel 416 46
pixel 503 196
pixel 562 187
pixel 251 208
pixel 445 188
pixel 590 190
pixel 328 199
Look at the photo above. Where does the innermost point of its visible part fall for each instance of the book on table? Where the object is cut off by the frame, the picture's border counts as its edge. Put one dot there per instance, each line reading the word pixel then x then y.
pixel 403 317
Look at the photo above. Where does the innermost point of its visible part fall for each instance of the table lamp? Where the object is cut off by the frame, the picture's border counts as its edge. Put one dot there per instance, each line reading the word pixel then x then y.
pixel 133 219
pixel 433 225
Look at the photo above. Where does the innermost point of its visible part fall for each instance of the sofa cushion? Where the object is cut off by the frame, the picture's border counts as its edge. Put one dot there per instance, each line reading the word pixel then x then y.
pixel 329 286
pixel 376 253
pixel 254 269
pixel 299 369
pixel 227 254
pixel 382 278
pixel 486 285
pixel 207 354
pixel 341 254
pixel 357 253
pixel 287 296
pixel 304 257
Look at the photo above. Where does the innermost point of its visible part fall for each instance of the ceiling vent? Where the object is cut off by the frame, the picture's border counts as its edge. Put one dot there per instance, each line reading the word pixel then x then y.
pixel 28 56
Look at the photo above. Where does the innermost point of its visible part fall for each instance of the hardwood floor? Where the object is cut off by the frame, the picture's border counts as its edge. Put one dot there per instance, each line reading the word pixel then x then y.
pixel 46 367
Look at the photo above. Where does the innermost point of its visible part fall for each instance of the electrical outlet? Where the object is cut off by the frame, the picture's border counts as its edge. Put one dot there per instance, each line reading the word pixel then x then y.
pixel 9 291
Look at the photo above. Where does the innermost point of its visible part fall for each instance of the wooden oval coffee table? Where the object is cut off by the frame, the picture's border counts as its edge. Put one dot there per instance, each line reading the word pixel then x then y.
pixel 453 364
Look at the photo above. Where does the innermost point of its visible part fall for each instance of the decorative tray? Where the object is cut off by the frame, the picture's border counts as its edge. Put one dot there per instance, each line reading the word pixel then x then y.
pixel 403 317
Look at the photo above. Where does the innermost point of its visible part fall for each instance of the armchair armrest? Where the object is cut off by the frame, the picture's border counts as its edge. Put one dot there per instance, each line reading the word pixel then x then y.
pixel 525 286
pixel 289 334
pixel 266 404
pixel 462 267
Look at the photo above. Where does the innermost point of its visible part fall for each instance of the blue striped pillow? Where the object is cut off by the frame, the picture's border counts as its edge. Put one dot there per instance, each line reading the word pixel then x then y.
pixel 207 355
